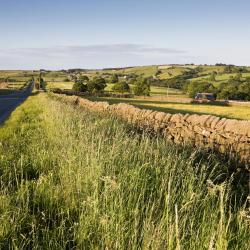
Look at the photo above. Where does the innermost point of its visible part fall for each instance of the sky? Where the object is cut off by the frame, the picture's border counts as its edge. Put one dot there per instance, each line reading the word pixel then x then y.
pixel 62 34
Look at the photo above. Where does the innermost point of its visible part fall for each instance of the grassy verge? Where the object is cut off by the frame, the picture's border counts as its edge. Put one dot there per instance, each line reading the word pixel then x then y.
pixel 70 178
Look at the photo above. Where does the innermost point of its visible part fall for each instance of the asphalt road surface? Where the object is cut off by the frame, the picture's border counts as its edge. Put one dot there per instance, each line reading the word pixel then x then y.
pixel 8 103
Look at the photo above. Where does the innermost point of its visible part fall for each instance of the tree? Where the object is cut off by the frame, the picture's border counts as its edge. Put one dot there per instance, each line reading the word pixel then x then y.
pixel 235 89
pixel 158 72
pixel 198 87
pixel 84 78
pixel 228 69
pixel 121 87
pixel 79 86
pixel 212 77
pixel 37 85
pixel 114 78
pixel 142 87
pixel 238 76
pixel 97 85
pixel 244 91
pixel 42 83
pixel 132 81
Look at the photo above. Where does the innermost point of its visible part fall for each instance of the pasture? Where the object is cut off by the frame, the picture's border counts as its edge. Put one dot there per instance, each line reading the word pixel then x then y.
pixel 59 84
pixel 175 105
pixel 155 90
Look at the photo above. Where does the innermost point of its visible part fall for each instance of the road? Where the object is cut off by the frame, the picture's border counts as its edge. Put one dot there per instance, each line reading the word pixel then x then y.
pixel 8 103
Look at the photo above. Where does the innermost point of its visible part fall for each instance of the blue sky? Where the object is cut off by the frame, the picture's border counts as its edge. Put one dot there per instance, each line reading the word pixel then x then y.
pixel 60 34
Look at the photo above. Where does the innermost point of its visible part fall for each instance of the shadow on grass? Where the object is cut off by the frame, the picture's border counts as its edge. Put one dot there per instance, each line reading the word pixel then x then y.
pixel 128 100
pixel 181 111
pixel 141 104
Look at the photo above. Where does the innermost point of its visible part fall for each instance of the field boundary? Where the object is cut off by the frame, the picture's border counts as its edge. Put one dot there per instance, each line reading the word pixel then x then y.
pixel 228 136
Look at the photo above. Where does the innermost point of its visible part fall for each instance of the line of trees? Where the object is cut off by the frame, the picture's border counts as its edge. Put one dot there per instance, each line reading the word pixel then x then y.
pixel 141 86
pixel 235 88
pixel 84 84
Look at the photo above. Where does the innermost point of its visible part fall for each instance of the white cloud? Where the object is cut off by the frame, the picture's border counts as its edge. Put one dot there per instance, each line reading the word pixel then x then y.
pixel 90 49
pixel 88 56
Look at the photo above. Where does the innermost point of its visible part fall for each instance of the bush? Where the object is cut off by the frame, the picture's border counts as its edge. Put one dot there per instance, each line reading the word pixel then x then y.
pixel 121 87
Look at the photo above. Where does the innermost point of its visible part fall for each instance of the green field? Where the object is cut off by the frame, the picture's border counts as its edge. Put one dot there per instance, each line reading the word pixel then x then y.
pixel 146 71
pixel 74 179
pixel 220 78
pixel 54 76
pixel 155 90
pixel 60 85
pixel 174 106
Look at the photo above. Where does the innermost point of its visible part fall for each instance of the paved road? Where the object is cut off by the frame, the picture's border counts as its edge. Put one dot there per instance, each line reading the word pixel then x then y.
pixel 8 103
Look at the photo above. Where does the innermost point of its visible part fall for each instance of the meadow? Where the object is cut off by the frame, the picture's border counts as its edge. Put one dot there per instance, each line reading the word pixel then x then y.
pixel 174 104
pixel 154 90
pixel 59 84
pixel 90 181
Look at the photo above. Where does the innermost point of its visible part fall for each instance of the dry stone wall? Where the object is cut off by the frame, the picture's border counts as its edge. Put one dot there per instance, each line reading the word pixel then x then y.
pixel 225 135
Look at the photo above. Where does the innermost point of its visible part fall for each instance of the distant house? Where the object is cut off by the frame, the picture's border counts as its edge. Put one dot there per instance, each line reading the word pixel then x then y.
pixel 205 96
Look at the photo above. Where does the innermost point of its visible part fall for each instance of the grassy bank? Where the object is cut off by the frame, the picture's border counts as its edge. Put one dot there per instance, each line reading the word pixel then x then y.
pixel 71 178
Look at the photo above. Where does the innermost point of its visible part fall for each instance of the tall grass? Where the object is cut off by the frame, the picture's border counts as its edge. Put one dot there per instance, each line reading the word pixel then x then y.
pixel 74 179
